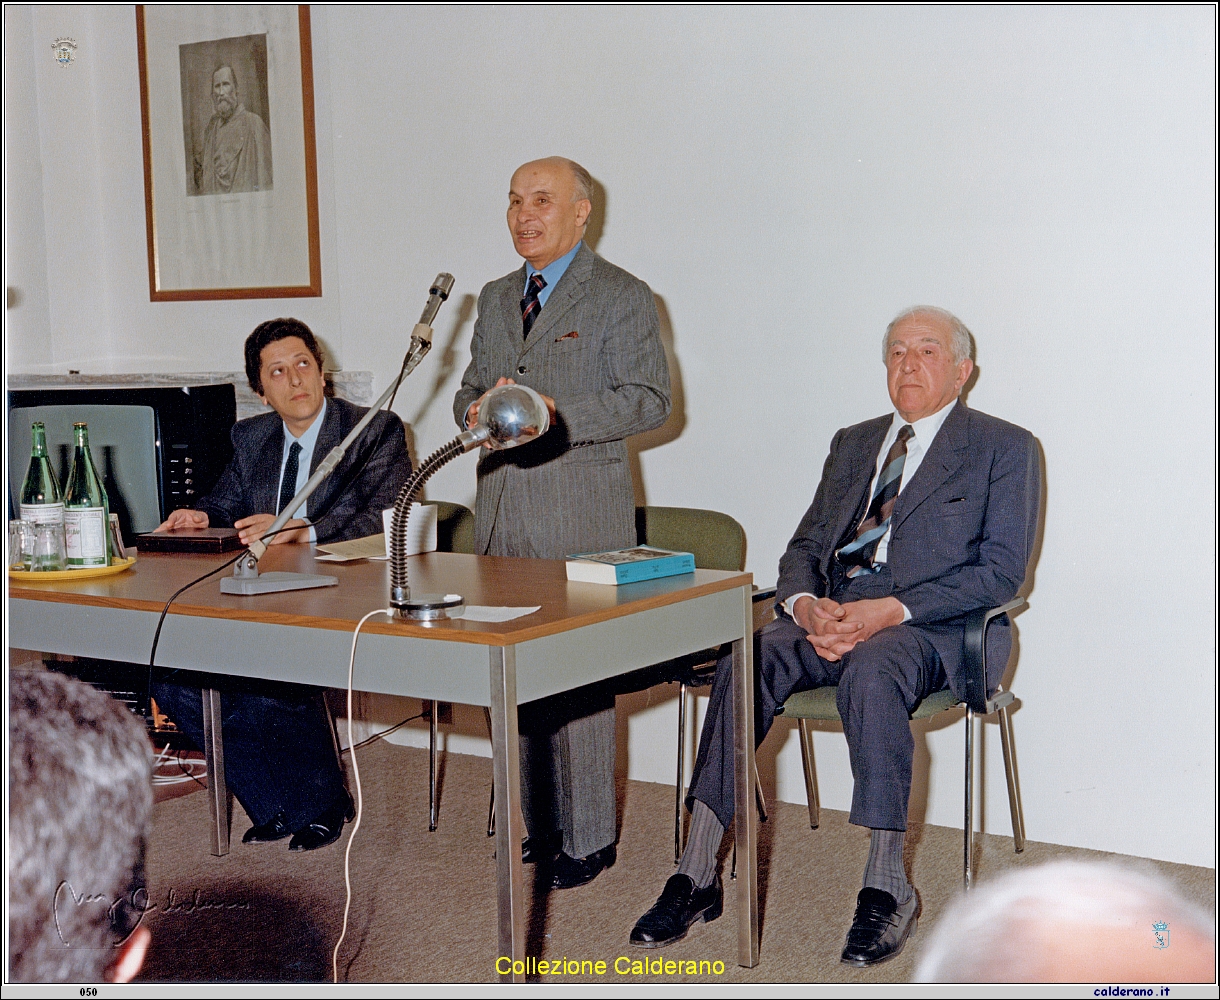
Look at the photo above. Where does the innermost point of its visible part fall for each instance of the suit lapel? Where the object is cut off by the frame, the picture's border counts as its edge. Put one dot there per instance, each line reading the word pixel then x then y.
pixel 328 437
pixel 569 291
pixel 266 498
pixel 943 459
pixel 863 467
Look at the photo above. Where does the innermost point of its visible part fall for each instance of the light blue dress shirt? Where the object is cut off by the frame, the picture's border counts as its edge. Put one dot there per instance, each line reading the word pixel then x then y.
pixel 304 461
pixel 550 274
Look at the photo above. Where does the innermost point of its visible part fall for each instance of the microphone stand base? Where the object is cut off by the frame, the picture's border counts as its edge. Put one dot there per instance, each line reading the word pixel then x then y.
pixel 430 607
pixel 274 583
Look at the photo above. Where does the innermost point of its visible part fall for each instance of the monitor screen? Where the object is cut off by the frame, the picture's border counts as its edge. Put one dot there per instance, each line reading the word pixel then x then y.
pixel 123 441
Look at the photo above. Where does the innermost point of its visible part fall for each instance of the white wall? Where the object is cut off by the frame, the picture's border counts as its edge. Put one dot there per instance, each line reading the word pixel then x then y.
pixel 786 180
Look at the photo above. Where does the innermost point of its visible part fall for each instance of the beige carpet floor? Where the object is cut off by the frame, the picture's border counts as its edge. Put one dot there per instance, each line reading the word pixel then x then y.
pixel 424 904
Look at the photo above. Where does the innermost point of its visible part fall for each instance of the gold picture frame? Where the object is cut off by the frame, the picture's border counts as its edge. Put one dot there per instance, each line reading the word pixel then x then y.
pixel 230 159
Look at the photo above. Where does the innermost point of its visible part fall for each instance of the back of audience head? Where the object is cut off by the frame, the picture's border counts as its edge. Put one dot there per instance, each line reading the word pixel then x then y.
pixel 1072 921
pixel 80 809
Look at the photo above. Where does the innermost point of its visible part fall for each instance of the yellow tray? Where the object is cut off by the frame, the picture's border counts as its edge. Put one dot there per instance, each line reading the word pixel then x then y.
pixel 118 566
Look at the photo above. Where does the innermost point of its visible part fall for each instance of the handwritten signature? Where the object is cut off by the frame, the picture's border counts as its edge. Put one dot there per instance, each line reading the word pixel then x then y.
pixel 135 906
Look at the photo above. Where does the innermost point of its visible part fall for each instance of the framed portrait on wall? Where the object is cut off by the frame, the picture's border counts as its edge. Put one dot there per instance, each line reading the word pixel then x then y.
pixel 230 169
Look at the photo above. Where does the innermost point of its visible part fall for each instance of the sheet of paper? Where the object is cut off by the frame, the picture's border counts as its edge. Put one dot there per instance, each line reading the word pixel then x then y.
pixel 483 613
pixel 421 537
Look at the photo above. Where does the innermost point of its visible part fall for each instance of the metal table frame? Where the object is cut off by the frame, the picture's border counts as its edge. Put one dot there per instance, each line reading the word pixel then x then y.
pixel 497 676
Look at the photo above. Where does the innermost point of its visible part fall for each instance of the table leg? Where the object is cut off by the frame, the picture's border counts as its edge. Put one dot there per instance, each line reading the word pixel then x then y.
pixel 745 824
pixel 214 751
pixel 506 765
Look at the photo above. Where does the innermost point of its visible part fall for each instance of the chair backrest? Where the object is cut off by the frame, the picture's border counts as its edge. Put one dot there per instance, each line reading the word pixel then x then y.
pixel 716 540
pixel 454 527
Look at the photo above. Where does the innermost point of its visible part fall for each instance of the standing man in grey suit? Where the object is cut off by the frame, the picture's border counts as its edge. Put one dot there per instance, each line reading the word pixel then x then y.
pixel 585 335
pixel 921 517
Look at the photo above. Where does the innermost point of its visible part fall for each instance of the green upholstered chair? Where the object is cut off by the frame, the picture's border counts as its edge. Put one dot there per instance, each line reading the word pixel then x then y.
pixel 819 705
pixel 454 533
pixel 717 541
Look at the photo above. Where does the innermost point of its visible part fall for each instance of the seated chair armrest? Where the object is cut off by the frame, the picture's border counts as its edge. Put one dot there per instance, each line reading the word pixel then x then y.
pixel 975 664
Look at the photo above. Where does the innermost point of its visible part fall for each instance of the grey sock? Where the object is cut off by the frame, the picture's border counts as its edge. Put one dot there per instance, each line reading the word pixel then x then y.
pixel 699 858
pixel 885 869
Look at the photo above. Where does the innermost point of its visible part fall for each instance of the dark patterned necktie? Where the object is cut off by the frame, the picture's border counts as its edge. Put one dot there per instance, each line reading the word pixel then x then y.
pixel 288 485
pixel 530 306
pixel 858 554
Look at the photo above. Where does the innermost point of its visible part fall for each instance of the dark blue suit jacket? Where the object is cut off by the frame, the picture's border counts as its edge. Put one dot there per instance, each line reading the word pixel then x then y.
pixel 349 502
pixel 962 535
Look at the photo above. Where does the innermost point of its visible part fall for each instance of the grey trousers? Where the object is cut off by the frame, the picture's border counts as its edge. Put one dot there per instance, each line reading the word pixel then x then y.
pixel 568 750
pixel 881 682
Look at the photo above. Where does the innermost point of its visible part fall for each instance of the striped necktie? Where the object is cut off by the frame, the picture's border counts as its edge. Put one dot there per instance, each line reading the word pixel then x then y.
pixel 530 306
pixel 857 555
pixel 288 484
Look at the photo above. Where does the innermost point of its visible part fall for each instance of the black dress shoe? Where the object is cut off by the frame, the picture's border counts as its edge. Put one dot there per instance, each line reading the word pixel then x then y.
pixel 326 828
pixel 880 928
pixel 542 848
pixel 680 905
pixel 265 833
pixel 568 873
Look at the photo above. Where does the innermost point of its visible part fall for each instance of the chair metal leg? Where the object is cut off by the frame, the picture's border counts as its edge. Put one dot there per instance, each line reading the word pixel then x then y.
pixel 805 729
pixel 1014 784
pixel 761 801
pixel 432 806
pixel 968 834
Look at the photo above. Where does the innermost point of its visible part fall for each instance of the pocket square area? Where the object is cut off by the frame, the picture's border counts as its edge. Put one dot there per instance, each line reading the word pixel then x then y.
pixel 568 336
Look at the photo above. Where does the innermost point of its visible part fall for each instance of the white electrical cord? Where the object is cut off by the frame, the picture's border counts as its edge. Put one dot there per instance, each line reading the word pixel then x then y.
pixel 347 855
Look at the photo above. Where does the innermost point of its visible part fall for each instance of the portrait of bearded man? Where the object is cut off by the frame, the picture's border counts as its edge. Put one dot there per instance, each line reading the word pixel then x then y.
pixel 236 153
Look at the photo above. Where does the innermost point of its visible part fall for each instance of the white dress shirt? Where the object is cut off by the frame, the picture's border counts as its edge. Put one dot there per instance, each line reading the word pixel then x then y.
pixel 925 432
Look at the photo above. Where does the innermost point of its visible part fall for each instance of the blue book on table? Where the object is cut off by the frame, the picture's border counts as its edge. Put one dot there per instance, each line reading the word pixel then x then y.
pixel 641 562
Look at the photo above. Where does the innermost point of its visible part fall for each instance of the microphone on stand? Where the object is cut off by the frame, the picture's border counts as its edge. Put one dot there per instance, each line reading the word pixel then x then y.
pixel 245 579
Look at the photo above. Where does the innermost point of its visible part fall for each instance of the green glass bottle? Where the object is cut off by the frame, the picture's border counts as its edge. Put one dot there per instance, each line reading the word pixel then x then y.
pixel 41 501
pixel 86 509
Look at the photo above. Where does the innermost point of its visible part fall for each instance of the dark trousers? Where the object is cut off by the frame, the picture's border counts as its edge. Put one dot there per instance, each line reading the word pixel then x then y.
pixel 881 682
pixel 279 747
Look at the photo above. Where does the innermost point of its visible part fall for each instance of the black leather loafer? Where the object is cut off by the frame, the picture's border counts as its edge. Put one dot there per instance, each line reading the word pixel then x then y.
pixel 542 848
pixel 679 906
pixel 326 828
pixel 880 928
pixel 265 833
pixel 569 873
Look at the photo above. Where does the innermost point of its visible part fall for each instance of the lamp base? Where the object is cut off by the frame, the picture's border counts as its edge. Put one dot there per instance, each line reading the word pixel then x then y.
pixel 430 607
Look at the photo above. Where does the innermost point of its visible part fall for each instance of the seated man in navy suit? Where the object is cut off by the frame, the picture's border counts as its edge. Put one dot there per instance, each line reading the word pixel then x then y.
pixel 280 755
pixel 922 516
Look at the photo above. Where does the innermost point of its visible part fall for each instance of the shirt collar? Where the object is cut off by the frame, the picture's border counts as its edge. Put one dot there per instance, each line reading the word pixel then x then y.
pixel 555 269
pixel 310 437
pixel 927 428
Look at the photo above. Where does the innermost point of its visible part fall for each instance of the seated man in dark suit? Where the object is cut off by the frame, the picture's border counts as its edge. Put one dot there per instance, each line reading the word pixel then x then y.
pixel 921 516
pixel 280 756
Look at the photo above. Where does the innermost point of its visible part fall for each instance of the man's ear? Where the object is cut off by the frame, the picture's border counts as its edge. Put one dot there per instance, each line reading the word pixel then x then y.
pixel 584 208
pixel 131 956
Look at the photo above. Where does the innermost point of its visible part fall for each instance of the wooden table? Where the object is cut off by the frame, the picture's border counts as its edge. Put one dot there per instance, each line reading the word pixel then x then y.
pixel 583 633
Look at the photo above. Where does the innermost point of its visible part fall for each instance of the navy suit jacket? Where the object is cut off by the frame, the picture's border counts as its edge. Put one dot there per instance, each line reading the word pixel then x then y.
pixel 348 503
pixel 962 530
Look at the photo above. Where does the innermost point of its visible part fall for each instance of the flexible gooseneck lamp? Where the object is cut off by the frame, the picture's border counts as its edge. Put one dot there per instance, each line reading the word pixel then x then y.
pixel 509 416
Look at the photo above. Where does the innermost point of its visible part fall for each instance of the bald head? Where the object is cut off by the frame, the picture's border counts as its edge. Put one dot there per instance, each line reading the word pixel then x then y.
pixel 548 208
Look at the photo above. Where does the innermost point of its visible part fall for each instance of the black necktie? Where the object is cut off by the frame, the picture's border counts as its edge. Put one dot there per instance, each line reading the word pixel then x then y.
pixel 288 485
pixel 858 554
pixel 530 306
